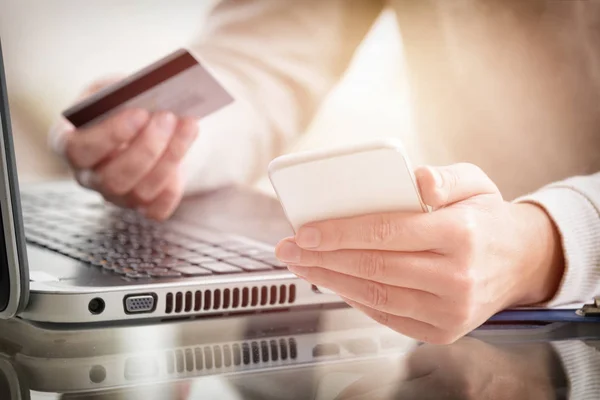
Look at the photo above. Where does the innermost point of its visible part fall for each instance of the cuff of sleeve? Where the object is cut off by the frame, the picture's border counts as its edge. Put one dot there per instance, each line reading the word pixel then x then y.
pixel 582 369
pixel 578 222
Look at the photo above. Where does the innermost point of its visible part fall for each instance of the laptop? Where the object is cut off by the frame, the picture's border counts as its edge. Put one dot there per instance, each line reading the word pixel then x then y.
pixel 70 258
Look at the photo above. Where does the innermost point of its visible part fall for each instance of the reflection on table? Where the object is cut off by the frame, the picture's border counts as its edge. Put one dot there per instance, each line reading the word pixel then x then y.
pixel 306 354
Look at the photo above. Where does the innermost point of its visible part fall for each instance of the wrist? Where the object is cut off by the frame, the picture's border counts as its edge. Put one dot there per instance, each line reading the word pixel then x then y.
pixel 541 264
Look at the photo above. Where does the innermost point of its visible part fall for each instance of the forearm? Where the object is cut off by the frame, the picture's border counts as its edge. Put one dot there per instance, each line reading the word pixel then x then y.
pixel 573 206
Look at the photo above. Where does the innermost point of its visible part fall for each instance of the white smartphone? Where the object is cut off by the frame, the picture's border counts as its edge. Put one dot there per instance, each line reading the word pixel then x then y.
pixel 367 178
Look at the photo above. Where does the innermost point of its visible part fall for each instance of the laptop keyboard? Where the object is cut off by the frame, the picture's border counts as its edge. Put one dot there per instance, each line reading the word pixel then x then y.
pixel 124 243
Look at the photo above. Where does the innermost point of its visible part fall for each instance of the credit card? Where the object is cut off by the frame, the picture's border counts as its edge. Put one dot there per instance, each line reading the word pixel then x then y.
pixel 178 83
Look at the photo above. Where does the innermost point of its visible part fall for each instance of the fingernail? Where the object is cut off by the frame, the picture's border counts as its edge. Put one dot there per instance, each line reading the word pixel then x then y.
pixel 437 177
pixel 288 252
pixel 137 119
pixel 308 237
pixel 88 179
pixel 167 121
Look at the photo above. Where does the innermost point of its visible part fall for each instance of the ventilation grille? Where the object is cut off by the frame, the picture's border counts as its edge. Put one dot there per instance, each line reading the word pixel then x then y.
pixel 229 299
pixel 234 355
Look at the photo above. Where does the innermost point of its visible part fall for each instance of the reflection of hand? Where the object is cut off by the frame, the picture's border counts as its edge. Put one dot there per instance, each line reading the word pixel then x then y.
pixel 467 369
pixel 435 276
pixel 133 158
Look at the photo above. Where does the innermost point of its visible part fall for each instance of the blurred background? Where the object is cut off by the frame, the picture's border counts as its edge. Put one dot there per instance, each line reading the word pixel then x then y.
pixel 53 49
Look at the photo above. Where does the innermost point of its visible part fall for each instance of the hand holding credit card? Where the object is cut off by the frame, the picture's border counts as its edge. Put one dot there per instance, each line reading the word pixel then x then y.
pixel 128 139
pixel 177 83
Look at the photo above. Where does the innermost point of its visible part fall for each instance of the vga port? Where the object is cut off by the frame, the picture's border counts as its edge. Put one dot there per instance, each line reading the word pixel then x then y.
pixel 140 303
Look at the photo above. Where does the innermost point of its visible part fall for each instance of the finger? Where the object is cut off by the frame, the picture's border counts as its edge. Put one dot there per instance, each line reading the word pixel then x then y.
pixel 421 271
pixel 87 178
pixel 158 178
pixel 410 303
pixel 407 326
pixel 166 203
pixel 385 231
pixel 127 169
pixel 119 201
pixel 86 148
pixel 444 186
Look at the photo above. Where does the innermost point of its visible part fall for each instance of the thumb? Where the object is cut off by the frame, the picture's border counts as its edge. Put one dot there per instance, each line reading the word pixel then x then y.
pixel 444 186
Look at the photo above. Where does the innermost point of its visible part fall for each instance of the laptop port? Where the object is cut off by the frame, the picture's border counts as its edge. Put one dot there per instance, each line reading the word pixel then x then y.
pixel 140 303
pixel 96 306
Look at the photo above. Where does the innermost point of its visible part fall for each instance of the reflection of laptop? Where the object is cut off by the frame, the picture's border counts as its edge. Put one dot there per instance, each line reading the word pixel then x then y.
pixel 231 350
pixel 69 258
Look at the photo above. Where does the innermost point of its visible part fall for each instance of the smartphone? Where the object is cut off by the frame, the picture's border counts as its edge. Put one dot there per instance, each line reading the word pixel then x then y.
pixel 366 178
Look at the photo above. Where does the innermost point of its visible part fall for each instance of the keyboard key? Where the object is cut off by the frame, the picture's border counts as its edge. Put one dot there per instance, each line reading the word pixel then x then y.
pixel 165 261
pixel 168 264
pixel 151 257
pixel 263 255
pixel 113 255
pixel 143 266
pixel 249 264
pixel 136 275
pixel 221 268
pixel 199 259
pixel 99 251
pixel 249 251
pixel 193 271
pixel 198 247
pixel 179 252
pixel 138 252
pixel 164 274
pixel 157 270
pixel 223 254
pixel 274 262
pixel 217 252
pixel 162 248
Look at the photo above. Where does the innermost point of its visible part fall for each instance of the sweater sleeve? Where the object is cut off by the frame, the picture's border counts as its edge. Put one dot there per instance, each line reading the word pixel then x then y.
pixel 574 205
pixel 279 60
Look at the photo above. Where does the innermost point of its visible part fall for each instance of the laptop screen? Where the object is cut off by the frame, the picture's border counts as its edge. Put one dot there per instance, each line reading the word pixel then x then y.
pixel 14 276
pixel 4 283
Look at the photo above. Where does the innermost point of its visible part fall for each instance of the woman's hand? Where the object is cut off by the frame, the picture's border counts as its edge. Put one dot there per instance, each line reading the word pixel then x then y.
pixel 132 158
pixel 435 276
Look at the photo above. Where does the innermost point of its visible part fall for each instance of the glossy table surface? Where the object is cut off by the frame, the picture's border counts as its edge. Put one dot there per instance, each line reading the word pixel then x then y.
pixel 333 353
pixel 304 354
